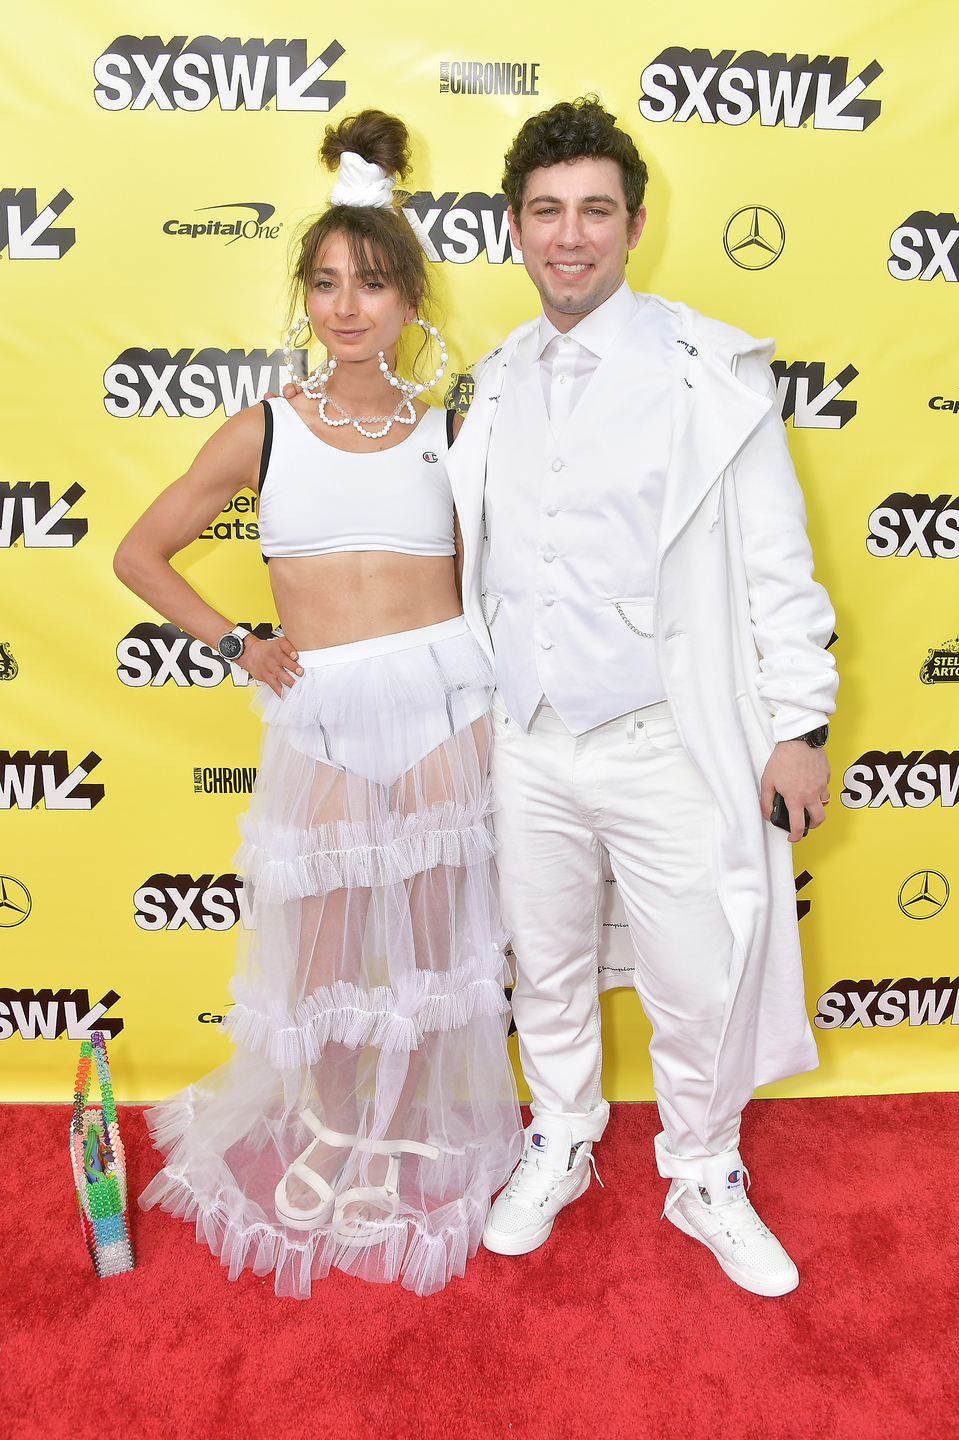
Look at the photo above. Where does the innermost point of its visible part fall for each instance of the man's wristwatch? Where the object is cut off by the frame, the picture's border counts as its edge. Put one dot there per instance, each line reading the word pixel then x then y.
pixel 816 739
pixel 230 645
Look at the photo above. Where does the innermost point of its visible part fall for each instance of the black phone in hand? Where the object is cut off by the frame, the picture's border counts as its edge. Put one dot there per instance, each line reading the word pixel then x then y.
pixel 780 815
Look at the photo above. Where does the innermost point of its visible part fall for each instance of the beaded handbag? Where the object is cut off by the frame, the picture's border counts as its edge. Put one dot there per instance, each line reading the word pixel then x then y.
pixel 99 1170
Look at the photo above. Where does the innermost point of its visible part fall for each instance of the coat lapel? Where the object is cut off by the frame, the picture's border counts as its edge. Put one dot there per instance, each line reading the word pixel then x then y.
pixel 713 416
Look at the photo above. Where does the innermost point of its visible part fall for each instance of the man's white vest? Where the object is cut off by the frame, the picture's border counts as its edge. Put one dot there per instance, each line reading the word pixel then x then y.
pixel 573 519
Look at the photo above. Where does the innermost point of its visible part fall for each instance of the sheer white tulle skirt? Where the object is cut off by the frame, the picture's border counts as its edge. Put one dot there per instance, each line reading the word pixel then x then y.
pixel 369 1111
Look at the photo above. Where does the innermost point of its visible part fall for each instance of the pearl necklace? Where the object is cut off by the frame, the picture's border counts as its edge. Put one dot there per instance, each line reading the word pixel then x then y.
pixel 315 384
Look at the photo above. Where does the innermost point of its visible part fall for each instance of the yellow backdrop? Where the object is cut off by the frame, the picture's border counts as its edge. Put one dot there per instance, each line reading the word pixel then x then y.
pixel 802 185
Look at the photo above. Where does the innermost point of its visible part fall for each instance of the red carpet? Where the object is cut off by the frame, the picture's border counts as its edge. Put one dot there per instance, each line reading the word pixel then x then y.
pixel 618 1327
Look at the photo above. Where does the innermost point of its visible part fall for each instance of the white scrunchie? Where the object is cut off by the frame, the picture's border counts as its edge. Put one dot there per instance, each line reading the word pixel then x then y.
pixel 360 182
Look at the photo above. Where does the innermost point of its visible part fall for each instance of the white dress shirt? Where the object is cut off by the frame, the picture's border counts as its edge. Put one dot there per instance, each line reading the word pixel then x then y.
pixel 567 362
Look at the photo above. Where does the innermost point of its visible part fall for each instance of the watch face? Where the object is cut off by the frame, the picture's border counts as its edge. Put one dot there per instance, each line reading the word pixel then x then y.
pixel 230 647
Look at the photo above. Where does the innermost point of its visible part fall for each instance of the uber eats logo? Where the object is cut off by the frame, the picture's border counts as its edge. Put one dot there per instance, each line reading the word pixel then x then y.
pixel 461 228
pixel 152 654
pixel 731 89
pixel 26 512
pixel 922 247
pixel 27 233
pixel 915 524
pixel 170 902
pixel 143 382
pixel 188 75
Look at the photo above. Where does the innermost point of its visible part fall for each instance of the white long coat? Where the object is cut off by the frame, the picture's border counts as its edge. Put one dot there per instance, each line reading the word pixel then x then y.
pixel 734 575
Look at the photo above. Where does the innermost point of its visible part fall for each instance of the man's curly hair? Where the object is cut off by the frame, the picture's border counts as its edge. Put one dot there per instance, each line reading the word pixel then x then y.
pixel 571 130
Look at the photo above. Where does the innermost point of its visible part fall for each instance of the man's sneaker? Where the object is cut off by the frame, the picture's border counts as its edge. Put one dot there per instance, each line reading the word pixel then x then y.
pixel 551 1173
pixel 717 1212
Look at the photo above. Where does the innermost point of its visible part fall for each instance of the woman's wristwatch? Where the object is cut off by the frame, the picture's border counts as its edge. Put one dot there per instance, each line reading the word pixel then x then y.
pixel 231 644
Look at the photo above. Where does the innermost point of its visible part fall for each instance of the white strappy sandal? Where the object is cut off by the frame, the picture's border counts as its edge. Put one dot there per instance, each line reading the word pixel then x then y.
pixel 360 1233
pixel 296 1216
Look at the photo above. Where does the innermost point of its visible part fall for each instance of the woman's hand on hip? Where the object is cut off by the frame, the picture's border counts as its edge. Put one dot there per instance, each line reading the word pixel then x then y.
pixel 272 662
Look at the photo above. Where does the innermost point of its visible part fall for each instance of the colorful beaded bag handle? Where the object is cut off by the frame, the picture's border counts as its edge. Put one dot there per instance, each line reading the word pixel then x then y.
pixel 99 1170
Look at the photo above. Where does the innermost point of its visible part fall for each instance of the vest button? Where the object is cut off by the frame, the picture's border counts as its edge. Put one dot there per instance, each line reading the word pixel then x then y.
pixel 548 602
pixel 552 512
pixel 557 465
pixel 547 644
pixel 549 559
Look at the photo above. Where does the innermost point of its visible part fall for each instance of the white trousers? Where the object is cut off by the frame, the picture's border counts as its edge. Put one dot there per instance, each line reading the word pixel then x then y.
pixel 627 786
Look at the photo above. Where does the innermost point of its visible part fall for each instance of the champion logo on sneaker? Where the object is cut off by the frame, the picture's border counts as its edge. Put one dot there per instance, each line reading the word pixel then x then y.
pixel 734 1180
pixel 539 1143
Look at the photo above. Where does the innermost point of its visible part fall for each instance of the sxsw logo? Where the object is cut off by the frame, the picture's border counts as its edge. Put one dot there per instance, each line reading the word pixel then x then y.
pixel 681 83
pixel 804 395
pixel 461 229
pixel 884 1003
pixel 913 780
pixel 141 382
pixel 168 902
pixel 46 1015
pixel 921 247
pixel 26 779
pixel 152 654
pixel 904 524
pixel 134 73
pixel 25 510
pixel 27 234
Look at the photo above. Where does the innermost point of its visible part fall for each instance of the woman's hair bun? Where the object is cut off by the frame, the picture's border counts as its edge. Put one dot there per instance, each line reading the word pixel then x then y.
pixel 379 138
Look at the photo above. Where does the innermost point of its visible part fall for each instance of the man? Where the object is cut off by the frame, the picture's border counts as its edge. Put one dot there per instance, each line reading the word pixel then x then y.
pixel 661 674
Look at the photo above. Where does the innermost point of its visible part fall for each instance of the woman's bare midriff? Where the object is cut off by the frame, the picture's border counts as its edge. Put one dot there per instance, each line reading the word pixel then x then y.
pixel 325 600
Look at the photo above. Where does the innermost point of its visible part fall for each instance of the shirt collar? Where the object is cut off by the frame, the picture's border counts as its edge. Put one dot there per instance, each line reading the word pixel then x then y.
pixel 597 330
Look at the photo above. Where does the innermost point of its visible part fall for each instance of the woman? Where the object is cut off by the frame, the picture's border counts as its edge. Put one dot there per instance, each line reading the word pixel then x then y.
pixel 368 1112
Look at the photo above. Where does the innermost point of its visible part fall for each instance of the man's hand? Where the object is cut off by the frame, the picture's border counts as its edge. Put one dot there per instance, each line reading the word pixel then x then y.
pixel 801 775
pixel 271 661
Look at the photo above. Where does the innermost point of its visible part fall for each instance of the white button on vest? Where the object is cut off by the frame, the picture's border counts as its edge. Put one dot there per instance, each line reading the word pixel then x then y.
pixel 557 465
pixel 549 559
pixel 551 512
pixel 547 644
pixel 548 602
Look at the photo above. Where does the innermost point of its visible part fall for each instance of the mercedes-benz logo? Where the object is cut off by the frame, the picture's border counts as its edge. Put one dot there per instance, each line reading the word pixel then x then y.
pixel 923 894
pixel 15 902
pixel 754 237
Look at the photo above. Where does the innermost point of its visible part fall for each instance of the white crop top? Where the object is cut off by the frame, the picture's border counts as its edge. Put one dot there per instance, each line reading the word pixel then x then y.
pixel 315 499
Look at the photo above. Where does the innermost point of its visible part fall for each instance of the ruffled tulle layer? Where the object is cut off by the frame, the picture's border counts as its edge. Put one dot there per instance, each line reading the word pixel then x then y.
pixel 368 998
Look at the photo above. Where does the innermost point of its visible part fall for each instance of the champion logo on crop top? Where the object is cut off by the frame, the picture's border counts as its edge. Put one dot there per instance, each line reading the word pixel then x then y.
pixel 430 456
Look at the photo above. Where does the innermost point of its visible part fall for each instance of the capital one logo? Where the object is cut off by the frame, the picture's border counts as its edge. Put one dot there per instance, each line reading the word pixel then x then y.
pixel 804 395
pixel 191 384
pixel 29 234
pixel 680 83
pixel 26 511
pixel 170 902
pixel 921 247
pixel 915 524
pixel 461 228
pixel 134 73
pixel 152 654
